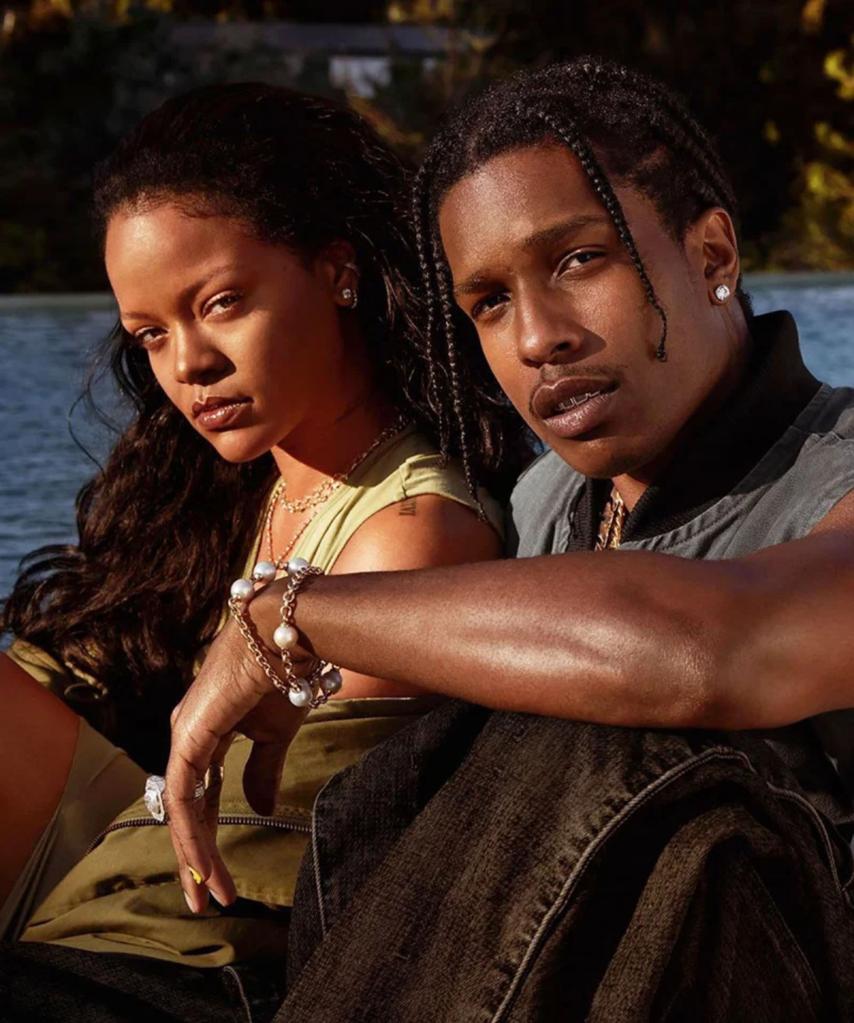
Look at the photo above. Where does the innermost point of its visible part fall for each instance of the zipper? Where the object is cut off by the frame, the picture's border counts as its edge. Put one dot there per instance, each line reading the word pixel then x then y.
pixel 280 823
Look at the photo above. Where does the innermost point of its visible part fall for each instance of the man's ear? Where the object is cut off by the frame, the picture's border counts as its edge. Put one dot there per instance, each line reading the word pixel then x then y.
pixel 711 244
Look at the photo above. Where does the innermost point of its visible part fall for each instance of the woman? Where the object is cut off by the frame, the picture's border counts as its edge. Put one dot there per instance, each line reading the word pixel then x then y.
pixel 269 344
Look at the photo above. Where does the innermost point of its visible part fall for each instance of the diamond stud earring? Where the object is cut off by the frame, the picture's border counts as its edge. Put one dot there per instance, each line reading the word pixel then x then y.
pixel 350 297
pixel 722 293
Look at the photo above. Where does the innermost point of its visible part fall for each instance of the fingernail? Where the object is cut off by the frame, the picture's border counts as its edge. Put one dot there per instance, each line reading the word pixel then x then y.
pixel 189 904
pixel 194 874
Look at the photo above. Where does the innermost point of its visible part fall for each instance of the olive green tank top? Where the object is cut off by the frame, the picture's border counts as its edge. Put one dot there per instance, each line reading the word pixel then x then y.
pixel 123 896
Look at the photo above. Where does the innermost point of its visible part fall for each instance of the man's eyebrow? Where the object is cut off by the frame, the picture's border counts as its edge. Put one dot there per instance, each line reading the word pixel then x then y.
pixel 564 229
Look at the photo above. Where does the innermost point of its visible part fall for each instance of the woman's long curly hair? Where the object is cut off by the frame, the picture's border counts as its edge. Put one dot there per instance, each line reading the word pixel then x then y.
pixel 167 523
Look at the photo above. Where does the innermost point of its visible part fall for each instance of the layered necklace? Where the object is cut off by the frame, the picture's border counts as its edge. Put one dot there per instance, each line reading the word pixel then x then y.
pixel 313 501
pixel 611 523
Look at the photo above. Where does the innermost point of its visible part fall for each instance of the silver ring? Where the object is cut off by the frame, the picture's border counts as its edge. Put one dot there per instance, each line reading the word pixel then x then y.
pixel 155 787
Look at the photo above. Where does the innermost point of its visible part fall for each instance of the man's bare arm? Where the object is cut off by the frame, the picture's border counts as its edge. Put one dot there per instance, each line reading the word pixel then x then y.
pixel 629 638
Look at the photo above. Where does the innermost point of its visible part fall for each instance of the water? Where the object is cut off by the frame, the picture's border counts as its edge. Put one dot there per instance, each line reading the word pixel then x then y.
pixel 45 351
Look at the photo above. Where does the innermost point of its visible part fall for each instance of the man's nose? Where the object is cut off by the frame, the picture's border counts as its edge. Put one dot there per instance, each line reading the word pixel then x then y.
pixel 547 332
pixel 196 359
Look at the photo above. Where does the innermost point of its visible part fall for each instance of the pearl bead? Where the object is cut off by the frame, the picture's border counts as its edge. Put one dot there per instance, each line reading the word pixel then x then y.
pixel 285 637
pixel 295 564
pixel 331 682
pixel 242 589
pixel 264 572
pixel 301 697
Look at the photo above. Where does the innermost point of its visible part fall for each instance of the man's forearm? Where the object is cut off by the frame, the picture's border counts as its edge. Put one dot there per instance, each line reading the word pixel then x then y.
pixel 629 638
pixel 581 635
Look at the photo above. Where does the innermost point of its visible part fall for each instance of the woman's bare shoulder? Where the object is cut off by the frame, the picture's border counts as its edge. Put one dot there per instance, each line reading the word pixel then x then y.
pixel 419 532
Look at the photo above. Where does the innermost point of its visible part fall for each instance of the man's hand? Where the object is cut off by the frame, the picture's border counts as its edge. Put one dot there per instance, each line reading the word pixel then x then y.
pixel 230 694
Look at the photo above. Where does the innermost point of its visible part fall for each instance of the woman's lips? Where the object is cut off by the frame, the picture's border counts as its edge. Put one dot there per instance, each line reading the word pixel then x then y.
pixel 220 414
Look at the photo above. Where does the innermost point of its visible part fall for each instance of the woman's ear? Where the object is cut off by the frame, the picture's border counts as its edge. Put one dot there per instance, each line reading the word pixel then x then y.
pixel 337 264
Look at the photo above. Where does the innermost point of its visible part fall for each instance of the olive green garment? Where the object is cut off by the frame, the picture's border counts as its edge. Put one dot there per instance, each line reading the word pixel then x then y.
pixel 123 896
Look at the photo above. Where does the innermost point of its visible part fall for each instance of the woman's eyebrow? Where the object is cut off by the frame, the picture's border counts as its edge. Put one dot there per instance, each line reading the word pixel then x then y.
pixel 190 291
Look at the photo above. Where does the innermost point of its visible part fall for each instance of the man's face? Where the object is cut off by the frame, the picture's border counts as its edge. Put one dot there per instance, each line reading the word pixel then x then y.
pixel 563 317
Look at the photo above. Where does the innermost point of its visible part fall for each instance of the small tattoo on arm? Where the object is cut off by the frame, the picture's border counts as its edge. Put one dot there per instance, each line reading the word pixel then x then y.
pixel 407 507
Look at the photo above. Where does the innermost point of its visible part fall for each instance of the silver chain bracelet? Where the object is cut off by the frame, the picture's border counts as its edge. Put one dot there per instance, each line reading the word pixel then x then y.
pixel 324 680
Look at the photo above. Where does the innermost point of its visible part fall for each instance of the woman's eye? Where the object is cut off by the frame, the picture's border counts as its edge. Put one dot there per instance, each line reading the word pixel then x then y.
pixel 221 302
pixel 577 259
pixel 148 337
pixel 487 304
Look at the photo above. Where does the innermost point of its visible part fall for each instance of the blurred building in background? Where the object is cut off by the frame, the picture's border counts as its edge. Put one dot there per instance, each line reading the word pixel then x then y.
pixel 772 79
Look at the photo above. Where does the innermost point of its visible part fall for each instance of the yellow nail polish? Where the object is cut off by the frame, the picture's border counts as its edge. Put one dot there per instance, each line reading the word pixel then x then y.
pixel 194 874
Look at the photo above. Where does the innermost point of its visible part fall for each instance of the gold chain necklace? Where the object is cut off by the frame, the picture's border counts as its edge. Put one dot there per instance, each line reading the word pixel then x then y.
pixel 611 523
pixel 315 499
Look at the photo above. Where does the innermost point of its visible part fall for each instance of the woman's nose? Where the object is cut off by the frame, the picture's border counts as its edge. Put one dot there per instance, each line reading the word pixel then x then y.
pixel 196 358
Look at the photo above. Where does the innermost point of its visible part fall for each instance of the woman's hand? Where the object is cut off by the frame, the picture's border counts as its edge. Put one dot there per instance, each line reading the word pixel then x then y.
pixel 230 694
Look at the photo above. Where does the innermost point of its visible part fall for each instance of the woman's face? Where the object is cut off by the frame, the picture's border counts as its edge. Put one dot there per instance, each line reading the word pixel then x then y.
pixel 245 337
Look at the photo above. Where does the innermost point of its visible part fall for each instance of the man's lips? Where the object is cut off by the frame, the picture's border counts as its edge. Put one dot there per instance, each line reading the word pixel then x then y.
pixel 567 394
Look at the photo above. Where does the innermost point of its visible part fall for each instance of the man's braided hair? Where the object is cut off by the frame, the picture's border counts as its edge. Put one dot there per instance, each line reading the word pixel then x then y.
pixel 623 127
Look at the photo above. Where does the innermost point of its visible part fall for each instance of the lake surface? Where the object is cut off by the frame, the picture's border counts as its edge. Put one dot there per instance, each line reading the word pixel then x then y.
pixel 45 349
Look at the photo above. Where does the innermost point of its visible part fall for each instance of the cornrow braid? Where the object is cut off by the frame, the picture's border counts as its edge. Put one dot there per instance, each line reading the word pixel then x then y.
pixel 570 136
pixel 623 127
pixel 426 265
pixel 457 374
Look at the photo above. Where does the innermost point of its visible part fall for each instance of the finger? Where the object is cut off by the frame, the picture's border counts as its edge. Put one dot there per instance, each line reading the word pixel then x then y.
pixel 213 784
pixel 187 822
pixel 194 904
pixel 261 775
pixel 219 882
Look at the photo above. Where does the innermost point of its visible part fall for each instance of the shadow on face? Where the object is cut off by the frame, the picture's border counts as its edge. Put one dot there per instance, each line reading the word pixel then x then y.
pixel 246 338
pixel 562 315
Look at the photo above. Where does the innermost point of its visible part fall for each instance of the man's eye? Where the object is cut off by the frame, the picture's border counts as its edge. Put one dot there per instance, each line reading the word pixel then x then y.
pixel 487 304
pixel 220 302
pixel 578 259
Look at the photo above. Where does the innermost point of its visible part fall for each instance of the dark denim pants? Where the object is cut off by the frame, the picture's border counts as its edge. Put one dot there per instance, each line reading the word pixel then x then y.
pixel 501 867
pixel 505 867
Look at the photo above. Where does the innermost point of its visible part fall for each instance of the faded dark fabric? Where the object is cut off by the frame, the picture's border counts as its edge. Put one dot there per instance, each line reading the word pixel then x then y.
pixel 509 867
pixel 41 983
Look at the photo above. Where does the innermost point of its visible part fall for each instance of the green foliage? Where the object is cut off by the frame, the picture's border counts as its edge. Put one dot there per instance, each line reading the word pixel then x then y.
pixel 68 92
pixel 773 82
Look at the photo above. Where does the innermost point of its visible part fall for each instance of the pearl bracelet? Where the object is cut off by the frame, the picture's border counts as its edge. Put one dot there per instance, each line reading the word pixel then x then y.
pixel 324 680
